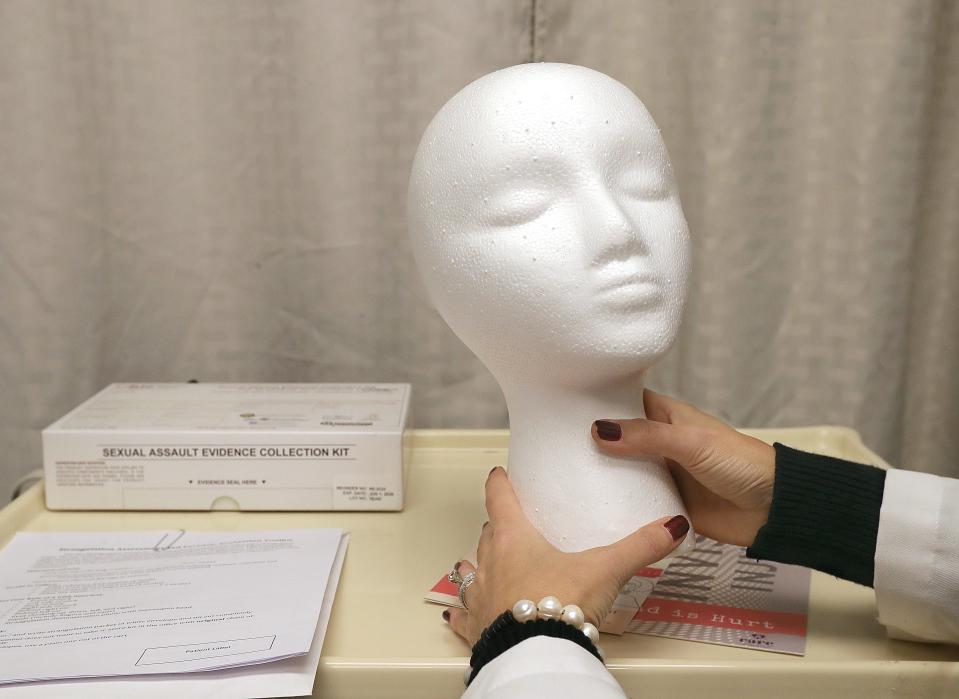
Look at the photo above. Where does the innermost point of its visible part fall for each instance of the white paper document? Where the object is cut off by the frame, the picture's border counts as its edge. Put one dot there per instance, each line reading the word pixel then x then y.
pixel 126 604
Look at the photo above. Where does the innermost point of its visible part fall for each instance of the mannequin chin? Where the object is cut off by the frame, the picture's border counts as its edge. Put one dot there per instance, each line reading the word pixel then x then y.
pixel 547 226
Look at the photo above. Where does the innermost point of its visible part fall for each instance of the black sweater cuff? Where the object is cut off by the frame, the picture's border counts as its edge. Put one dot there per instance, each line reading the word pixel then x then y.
pixel 505 632
pixel 824 515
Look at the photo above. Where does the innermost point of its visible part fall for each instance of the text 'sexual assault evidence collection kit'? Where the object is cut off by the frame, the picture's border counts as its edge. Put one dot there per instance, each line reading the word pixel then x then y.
pixel 196 446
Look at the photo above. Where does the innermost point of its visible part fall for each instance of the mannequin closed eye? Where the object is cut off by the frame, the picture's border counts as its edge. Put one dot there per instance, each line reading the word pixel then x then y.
pixel 515 206
pixel 645 184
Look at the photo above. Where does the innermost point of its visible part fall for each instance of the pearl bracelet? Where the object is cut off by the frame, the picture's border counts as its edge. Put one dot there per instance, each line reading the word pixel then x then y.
pixel 551 608
pixel 526 620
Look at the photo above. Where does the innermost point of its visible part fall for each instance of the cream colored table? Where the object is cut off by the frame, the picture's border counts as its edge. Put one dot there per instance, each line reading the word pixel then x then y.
pixel 385 642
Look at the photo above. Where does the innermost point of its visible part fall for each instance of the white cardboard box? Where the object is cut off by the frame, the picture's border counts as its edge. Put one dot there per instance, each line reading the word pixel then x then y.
pixel 172 446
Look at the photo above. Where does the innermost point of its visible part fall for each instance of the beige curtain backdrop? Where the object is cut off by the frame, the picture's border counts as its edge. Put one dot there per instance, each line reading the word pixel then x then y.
pixel 215 190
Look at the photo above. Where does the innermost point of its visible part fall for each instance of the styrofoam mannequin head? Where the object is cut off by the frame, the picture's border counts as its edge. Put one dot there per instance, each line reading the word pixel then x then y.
pixel 547 225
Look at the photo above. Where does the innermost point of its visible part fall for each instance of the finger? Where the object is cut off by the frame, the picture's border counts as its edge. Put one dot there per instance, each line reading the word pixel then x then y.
pixel 457 620
pixel 662 408
pixel 646 545
pixel 486 538
pixel 465 568
pixel 501 501
pixel 638 437
pixel 658 406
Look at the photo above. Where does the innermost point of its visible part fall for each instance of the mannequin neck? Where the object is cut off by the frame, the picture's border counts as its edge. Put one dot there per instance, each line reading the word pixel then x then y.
pixel 575 494
pixel 564 414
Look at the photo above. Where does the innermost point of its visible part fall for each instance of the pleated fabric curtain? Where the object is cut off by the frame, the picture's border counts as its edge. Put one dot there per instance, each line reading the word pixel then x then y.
pixel 216 191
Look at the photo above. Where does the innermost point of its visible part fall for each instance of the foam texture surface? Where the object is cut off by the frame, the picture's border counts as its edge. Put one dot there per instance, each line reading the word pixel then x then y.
pixel 546 223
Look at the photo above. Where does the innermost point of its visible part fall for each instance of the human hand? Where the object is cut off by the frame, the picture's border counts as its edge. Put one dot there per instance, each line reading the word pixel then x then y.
pixel 515 562
pixel 724 477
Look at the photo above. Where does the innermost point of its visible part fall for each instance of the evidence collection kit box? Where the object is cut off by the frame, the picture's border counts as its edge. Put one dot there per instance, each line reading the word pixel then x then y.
pixel 196 446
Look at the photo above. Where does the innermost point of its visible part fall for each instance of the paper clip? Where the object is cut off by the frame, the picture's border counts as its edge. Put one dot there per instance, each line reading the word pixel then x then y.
pixel 176 537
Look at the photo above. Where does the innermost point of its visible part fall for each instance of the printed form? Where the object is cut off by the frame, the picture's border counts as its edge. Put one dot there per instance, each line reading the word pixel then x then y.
pixel 110 604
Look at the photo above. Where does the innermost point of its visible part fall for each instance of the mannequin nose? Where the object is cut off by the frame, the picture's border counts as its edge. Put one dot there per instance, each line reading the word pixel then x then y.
pixel 614 235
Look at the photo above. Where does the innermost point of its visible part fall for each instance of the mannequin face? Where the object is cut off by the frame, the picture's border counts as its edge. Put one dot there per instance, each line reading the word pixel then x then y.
pixel 547 226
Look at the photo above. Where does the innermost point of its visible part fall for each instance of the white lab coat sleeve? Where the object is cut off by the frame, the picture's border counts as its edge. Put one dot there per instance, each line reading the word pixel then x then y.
pixel 550 668
pixel 917 557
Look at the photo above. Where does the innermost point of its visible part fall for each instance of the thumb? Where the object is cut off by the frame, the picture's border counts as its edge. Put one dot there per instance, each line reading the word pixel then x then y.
pixel 684 444
pixel 647 545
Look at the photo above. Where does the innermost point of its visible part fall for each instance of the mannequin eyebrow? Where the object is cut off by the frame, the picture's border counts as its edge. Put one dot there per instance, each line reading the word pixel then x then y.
pixel 522 160
pixel 526 172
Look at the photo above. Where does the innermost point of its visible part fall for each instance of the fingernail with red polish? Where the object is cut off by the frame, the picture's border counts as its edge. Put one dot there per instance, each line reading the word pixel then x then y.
pixel 608 430
pixel 446 615
pixel 677 526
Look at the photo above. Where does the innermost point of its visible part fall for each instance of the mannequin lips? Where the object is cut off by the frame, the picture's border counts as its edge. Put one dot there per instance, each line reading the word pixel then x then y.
pixel 630 293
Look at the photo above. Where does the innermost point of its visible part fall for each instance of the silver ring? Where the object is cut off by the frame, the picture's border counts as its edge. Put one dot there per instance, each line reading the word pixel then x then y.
pixel 455 577
pixel 467 581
